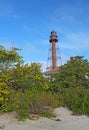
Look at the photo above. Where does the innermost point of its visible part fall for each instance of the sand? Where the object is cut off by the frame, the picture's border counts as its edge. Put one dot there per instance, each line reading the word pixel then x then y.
pixel 64 120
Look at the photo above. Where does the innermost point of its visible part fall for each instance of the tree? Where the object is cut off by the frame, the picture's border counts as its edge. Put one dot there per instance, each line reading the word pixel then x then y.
pixel 27 77
pixel 74 73
pixel 9 58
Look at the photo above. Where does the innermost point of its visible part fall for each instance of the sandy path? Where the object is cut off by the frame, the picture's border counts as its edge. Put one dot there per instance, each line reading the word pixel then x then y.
pixel 68 122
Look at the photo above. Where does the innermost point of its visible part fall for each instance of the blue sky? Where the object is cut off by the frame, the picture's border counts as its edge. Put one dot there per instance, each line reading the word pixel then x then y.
pixel 27 24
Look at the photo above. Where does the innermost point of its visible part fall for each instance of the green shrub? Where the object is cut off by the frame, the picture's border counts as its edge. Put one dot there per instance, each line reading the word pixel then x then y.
pixel 4 91
pixel 38 100
pixel 77 99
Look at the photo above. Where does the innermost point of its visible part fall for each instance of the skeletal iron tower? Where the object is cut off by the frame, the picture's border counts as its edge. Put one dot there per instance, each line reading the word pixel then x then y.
pixel 54 58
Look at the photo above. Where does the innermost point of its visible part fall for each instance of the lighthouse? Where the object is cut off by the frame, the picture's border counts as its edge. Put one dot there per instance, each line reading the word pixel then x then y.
pixel 53 40
pixel 54 58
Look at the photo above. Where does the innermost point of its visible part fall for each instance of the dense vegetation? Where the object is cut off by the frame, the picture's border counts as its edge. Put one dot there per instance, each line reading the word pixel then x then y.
pixel 24 89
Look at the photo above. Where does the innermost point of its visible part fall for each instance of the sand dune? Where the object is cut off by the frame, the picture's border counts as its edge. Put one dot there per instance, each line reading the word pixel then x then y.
pixel 64 120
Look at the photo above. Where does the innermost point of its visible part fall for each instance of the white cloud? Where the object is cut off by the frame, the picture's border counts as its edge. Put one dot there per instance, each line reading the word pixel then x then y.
pixel 44 65
pixel 7 45
pixel 68 12
pixel 64 58
pixel 75 44
pixel 29 48
pixel 76 41
pixel 7 10
pixel 71 13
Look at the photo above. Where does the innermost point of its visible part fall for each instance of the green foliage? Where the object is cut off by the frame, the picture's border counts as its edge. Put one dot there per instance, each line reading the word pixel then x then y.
pixel 9 58
pixel 4 90
pixel 27 77
pixel 34 101
pixel 74 73
pixel 47 113
pixel 39 100
pixel 77 99
pixel 24 89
